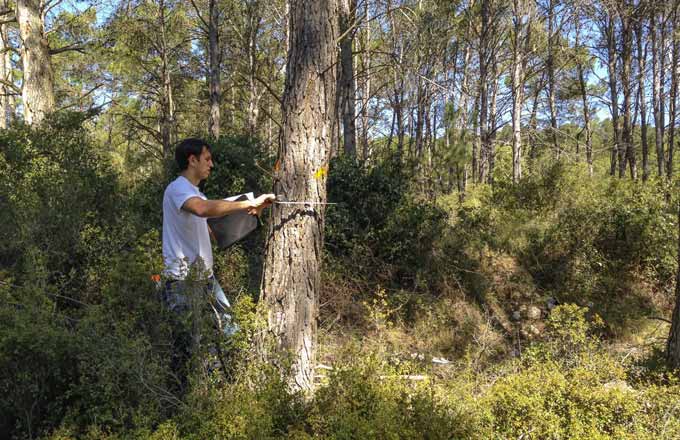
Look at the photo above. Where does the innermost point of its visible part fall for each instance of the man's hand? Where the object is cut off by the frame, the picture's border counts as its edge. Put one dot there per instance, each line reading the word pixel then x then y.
pixel 260 203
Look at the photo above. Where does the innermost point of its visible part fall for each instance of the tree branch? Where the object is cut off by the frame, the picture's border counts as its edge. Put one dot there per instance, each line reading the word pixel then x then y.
pixel 10 85
pixel 78 47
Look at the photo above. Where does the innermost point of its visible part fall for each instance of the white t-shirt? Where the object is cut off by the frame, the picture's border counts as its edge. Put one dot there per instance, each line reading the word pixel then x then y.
pixel 185 235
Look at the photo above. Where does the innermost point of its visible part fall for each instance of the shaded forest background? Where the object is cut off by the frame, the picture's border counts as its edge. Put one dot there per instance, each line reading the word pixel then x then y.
pixel 501 261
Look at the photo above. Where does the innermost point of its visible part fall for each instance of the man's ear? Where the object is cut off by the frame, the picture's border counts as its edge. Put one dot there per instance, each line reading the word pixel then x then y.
pixel 192 158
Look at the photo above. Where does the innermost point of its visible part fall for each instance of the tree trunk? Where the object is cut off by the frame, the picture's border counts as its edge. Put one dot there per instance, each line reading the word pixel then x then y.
pixel 254 21
pixel 484 93
pixel 520 43
pixel 493 121
pixel 627 59
pixel 5 73
pixel 673 106
pixel 642 55
pixel 167 103
pixel 214 58
pixel 617 153
pixel 584 102
pixel 533 121
pixel 366 89
pixel 291 278
pixel 38 76
pixel 346 83
pixel 656 95
pixel 673 343
pixel 550 66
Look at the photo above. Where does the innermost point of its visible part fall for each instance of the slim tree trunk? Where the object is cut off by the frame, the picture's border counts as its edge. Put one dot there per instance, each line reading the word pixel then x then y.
pixel 291 278
pixel 167 103
pixel 617 152
pixel 642 96
pixel 584 103
pixel 521 35
pixel 484 93
pixel 346 83
pixel 673 343
pixel 5 73
pixel 253 29
pixel 493 118
pixel 627 60
pixel 533 120
pixel 656 95
pixel 38 76
pixel 366 89
pixel 550 66
pixel 672 106
pixel 214 59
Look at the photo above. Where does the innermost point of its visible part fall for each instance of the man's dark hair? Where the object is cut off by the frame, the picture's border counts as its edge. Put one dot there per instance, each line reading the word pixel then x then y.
pixel 189 147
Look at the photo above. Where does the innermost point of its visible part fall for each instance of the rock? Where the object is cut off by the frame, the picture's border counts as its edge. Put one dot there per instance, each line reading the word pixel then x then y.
pixel 551 303
pixel 440 361
pixel 533 331
pixel 619 385
pixel 516 315
pixel 534 313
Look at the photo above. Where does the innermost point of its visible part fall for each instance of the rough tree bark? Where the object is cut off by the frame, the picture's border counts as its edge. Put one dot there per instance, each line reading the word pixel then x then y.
pixel 673 343
pixel 642 96
pixel 610 31
pixel 5 73
pixel 167 102
pixel 673 105
pixel 656 94
pixel 215 61
pixel 484 37
pixel 291 278
pixel 347 83
pixel 550 66
pixel 520 48
pixel 673 100
pixel 584 101
pixel 254 21
pixel 627 152
pixel 366 86
pixel 38 76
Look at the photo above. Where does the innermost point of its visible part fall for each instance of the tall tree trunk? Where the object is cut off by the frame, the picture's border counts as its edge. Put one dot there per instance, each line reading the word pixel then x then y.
pixel 484 93
pixel 167 103
pixel 627 60
pixel 5 73
pixel 38 76
pixel 291 278
pixel 347 83
pixel 673 106
pixel 550 66
pixel 657 102
pixel 521 34
pixel 477 143
pixel 533 120
pixel 617 152
pixel 642 96
pixel 584 102
pixel 493 122
pixel 673 343
pixel 366 88
pixel 254 21
pixel 215 61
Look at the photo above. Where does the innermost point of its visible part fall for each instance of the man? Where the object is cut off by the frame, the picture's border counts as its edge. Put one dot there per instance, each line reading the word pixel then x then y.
pixel 186 239
pixel 187 251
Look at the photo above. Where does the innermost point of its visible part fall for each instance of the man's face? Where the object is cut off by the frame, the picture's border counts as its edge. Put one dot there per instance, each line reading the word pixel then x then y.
pixel 203 164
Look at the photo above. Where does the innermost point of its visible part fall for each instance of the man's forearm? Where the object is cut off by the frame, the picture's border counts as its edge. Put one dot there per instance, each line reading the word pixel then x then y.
pixel 219 208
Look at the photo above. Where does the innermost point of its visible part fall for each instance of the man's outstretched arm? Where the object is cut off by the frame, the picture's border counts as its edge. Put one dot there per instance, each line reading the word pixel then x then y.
pixel 219 208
